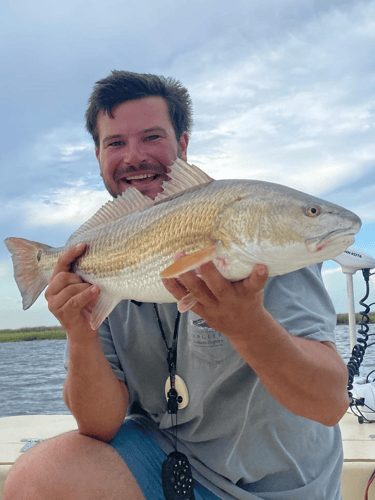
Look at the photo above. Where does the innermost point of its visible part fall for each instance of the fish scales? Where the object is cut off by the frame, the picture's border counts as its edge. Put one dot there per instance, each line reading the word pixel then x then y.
pixel 191 224
pixel 131 241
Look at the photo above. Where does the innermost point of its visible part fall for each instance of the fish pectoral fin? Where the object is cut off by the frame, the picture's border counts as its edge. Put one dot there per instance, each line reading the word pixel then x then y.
pixel 104 305
pixel 189 262
pixel 186 303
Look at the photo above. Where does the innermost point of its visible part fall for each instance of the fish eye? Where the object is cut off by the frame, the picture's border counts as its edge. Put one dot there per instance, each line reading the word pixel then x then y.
pixel 313 211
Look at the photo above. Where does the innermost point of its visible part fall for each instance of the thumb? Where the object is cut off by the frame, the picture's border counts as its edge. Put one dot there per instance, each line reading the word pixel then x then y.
pixel 258 277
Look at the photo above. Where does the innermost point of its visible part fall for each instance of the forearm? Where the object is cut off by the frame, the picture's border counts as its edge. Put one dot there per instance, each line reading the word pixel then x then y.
pixel 305 376
pixel 94 395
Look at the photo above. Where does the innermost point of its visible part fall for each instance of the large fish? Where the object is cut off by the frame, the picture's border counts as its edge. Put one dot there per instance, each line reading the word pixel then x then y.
pixel 131 240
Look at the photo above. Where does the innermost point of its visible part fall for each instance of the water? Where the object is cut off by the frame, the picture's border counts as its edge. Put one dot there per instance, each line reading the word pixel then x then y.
pixel 32 374
pixel 32 378
pixel 343 346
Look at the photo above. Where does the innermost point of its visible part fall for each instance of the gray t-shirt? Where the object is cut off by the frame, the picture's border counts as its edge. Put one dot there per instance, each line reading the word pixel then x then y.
pixel 242 444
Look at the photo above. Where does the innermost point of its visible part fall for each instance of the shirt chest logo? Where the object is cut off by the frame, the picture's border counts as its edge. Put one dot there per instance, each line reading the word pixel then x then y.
pixel 204 336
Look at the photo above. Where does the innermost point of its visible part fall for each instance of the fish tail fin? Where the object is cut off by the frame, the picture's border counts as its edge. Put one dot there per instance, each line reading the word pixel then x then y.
pixel 27 272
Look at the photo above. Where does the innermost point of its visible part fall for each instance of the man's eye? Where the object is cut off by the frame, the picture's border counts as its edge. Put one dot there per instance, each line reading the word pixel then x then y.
pixel 152 137
pixel 115 143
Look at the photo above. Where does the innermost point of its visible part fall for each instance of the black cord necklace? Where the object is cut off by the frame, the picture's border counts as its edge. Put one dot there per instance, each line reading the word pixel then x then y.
pixel 176 475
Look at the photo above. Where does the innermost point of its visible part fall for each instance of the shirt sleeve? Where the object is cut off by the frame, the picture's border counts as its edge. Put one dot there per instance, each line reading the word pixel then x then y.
pixel 109 350
pixel 300 302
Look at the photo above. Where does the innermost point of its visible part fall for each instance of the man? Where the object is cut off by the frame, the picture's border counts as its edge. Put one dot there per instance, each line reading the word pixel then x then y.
pixel 257 366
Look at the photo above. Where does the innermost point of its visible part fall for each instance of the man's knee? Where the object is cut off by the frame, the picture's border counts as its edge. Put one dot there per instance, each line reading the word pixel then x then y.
pixel 70 466
pixel 42 464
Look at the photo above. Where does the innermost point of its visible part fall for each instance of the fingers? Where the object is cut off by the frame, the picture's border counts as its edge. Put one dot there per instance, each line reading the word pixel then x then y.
pixel 73 295
pixel 210 288
pixel 62 279
pixel 257 279
pixel 65 260
pixel 69 297
pixel 228 307
pixel 174 285
pixel 219 287
pixel 175 288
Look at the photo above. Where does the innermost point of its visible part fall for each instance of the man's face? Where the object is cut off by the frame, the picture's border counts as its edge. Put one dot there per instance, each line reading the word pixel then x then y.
pixel 137 146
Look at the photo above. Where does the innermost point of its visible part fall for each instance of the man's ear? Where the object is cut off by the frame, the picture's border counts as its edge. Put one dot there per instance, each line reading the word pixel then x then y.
pixel 182 145
pixel 97 154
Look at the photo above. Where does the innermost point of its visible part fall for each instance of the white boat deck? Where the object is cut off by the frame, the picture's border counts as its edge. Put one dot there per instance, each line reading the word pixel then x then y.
pixel 358 443
pixel 14 429
pixel 359 458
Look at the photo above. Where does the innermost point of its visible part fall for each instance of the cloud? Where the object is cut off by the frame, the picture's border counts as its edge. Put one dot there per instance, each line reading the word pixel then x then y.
pixel 3 269
pixel 55 158
pixel 64 144
pixel 329 272
pixel 67 206
pixel 294 111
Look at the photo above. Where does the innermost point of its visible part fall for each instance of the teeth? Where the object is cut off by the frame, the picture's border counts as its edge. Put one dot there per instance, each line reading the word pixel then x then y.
pixel 139 177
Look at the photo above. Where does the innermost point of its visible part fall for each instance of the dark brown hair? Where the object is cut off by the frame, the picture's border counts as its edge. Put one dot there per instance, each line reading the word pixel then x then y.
pixel 121 86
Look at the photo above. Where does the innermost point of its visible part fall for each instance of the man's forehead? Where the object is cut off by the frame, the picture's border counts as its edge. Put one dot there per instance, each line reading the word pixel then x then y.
pixel 137 115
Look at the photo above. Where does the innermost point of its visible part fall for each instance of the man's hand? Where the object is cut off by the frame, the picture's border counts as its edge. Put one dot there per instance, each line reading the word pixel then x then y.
pixel 71 299
pixel 225 306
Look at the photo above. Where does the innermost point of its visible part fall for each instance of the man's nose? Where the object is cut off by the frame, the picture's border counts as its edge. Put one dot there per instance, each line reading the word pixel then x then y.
pixel 134 154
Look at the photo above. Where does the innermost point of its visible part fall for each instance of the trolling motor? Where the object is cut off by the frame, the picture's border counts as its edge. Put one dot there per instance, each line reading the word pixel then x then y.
pixel 351 261
pixel 361 393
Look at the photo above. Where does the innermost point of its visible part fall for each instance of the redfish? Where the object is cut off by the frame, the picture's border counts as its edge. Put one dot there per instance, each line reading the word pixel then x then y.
pixel 131 240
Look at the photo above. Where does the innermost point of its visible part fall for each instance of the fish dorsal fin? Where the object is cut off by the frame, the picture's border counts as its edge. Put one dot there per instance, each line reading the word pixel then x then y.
pixel 183 176
pixel 129 201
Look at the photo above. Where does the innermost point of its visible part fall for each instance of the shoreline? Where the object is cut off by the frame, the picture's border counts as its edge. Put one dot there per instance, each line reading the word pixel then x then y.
pixel 343 319
pixel 30 334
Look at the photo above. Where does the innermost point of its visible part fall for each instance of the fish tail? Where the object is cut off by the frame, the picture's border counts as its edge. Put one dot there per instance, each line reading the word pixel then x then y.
pixel 27 272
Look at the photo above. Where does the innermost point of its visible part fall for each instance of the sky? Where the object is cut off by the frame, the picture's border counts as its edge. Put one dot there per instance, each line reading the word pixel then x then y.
pixel 283 91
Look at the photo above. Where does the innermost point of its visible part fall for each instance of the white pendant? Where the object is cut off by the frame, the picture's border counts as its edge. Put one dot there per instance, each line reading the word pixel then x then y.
pixel 182 391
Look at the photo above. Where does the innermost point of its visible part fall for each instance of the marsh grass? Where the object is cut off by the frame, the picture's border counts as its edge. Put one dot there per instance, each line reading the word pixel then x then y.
pixel 342 319
pixel 33 333
pixel 56 332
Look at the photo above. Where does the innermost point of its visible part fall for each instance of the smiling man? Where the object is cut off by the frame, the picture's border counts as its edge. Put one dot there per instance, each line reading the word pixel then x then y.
pixel 137 144
pixel 247 385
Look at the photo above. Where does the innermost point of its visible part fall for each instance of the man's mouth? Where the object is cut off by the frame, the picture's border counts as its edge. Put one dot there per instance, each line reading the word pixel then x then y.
pixel 147 180
pixel 139 178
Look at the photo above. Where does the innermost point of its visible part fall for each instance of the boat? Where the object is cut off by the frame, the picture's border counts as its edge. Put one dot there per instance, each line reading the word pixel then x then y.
pixel 18 433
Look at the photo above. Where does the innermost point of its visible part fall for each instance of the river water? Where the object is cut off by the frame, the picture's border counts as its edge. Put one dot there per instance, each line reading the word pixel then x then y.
pixel 32 374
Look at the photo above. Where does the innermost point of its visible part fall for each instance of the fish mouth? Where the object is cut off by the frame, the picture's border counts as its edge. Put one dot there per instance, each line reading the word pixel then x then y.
pixel 338 238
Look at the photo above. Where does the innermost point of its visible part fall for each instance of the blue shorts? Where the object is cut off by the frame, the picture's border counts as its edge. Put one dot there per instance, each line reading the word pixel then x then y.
pixel 144 457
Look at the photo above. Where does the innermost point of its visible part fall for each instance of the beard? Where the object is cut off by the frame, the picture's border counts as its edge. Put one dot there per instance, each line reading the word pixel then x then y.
pixel 151 186
pixel 158 169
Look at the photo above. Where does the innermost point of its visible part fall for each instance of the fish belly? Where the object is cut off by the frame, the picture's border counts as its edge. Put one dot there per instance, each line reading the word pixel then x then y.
pixel 142 284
